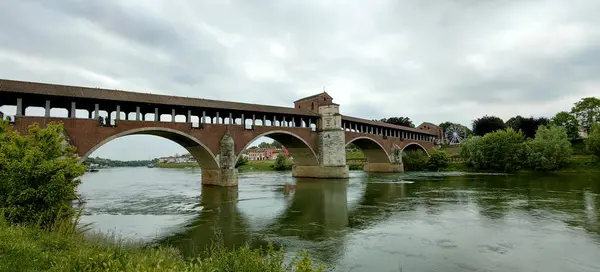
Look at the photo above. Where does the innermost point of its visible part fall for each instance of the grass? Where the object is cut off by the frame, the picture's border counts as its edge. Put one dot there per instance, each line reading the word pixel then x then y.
pixel 26 248
pixel 176 165
pixel 259 166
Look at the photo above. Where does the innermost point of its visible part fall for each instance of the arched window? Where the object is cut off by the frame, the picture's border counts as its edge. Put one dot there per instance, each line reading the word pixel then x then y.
pixel 312 105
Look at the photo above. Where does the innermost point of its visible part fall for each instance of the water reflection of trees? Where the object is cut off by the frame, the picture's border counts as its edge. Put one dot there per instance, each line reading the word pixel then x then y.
pixel 318 209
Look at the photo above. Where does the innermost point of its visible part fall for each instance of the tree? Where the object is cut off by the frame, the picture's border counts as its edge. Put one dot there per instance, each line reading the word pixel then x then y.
pixel 587 111
pixel 281 163
pixel 414 160
pixel 264 145
pixel 487 124
pixel 593 141
pixel 438 159
pixel 400 121
pixel 550 149
pixel 38 175
pixel 500 150
pixel 569 122
pixel 276 144
pixel 527 125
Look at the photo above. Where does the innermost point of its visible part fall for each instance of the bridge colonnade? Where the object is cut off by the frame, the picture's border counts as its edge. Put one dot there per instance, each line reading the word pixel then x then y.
pixel 217 132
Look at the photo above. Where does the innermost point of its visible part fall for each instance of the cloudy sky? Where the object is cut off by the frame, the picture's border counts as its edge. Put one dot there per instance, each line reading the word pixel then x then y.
pixel 430 60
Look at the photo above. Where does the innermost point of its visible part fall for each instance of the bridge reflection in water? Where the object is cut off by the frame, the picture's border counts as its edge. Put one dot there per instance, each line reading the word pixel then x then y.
pixel 324 216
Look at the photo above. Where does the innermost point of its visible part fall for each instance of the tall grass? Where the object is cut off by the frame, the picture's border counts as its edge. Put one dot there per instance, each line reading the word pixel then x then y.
pixel 67 247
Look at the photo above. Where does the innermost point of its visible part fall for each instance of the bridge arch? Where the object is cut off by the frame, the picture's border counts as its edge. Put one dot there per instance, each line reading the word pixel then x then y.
pixel 203 155
pixel 300 150
pixel 373 150
pixel 414 146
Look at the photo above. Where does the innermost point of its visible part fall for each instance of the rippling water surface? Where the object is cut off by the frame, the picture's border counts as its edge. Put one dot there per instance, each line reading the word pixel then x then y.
pixel 371 222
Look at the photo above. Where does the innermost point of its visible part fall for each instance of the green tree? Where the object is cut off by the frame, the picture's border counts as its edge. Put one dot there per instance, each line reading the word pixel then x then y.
pixel 501 150
pixel 593 141
pixel 264 145
pixel 414 160
pixel 447 124
pixel 550 149
pixel 587 111
pixel 569 122
pixel 400 121
pixel 38 175
pixel 282 163
pixel 527 125
pixel 276 144
pixel 438 159
pixel 487 124
pixel 241 161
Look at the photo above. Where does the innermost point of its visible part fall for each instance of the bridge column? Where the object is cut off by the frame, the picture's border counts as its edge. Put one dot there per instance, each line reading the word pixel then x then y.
pixel 137 113
pixel 73 111
pixel 47 108
pixel 96 111
pixel 19 107
pixel 331 147
pixel 227 174
pixel 156 115
pixel 118 116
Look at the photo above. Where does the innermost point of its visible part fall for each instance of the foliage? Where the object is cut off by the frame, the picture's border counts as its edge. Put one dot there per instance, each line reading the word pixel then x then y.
pixel 414 160
pixel 487 124
pixel 176 165
pixel 438 159
pixel 549 150
pixel 38 174
pixel 117 163
pixel 274 144
pixel 527 125
pixel 400 121
pixel 587 111
pixel 243 160
pixel 500 151
pixel 593 141
pixel 569 122
pixel 282 163
pixel 25 248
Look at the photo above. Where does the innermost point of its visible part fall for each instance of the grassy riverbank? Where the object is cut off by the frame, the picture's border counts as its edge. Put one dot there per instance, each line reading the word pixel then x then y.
pixel 30 249
pixel 576 164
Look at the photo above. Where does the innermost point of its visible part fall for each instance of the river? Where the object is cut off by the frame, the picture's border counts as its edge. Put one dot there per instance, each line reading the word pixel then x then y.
pixel 371 222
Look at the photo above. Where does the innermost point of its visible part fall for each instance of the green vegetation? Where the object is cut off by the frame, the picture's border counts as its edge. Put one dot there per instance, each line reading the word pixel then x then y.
pixel 282 163
pixel 116 163
pixel 176 165
pixel 400 121
pixel 438 159
pixel 414 160
pixel 509 151
pixel 38 176
pixel 528 126
pixel 26 248
pixel 487 124
pixel 587 112
pixel 593 141
pixel 259 166
pixel 569 122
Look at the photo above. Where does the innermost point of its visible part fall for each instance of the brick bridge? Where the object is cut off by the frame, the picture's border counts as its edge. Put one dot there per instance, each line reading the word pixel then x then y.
pixel 216 132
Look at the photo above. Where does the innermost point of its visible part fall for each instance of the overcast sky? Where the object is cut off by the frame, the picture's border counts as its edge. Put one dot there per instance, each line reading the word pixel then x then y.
pixel 433 61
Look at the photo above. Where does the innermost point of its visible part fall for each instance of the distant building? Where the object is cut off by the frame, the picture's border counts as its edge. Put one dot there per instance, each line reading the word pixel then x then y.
pixel 177 159
pixel 262 154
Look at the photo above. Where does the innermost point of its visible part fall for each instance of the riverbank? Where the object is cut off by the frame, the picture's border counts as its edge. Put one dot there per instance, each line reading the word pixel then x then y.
pixel 577 163
pixel 30 249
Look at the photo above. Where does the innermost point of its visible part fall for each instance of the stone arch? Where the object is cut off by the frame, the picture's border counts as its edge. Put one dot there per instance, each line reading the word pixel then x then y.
pixel 203 155
pixel 415 146
pixel 373 150
pixel 299 149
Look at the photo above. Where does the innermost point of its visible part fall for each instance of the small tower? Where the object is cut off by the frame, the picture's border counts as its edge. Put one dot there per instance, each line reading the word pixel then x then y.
pixel 313 102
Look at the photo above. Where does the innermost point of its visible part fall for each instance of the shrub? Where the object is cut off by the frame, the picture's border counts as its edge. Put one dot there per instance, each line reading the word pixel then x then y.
pixel 438 159
pixel 502 150
pixel 592 143
pixel 282 163
pixel 550 149
pixel 414 160
pixel 38 175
